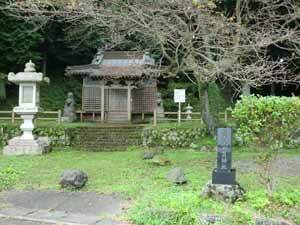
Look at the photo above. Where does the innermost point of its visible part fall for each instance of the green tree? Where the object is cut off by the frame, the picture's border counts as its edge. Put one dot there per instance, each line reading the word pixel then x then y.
pixel 19 42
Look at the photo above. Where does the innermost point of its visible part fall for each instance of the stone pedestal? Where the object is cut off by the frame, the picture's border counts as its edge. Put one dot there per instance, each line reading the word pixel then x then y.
pixel 21 146
pixel 223 192
pixel 223 176
pixel 27 127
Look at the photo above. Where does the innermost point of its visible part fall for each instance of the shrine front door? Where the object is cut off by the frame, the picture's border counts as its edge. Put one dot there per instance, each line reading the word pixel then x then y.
pixel 117 105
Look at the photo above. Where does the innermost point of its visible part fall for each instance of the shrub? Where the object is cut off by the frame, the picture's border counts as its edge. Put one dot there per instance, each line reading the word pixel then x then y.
pixel 8 177
pixel 176 136
pixel 267 121
pixel 59 135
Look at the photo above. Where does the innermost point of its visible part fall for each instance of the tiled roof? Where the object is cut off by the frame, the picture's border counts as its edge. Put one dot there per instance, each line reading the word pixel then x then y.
pixel 116 65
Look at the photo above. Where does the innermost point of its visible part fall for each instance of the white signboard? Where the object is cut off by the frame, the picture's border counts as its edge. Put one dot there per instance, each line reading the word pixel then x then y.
pixel 179 95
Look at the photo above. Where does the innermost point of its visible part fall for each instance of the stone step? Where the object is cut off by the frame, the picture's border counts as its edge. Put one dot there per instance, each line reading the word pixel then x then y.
pixel 105 137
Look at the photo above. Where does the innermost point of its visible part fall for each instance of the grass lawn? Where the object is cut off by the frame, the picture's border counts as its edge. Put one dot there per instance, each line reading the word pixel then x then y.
pixel 155 200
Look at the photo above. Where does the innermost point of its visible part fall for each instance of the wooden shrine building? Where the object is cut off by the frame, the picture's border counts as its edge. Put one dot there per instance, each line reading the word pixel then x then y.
pixel 118 84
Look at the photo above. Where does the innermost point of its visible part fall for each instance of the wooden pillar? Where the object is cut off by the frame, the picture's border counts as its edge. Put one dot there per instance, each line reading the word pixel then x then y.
pixel 59 116
pixel 129 102
pixel 13 116
pixel 102 102
pixel 143 116
pixel 82 100
pixel 154 117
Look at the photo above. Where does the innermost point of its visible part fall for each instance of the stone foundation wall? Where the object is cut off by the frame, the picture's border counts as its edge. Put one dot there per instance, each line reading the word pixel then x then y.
pixel 91 138
pixel 107 138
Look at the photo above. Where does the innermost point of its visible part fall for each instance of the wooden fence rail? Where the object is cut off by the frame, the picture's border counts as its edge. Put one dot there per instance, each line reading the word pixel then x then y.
pixel 12 116
pixel 194 116
pixel 157 117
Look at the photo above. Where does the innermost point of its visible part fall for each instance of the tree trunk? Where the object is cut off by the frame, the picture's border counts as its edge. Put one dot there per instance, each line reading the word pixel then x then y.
pixel 45 63
pixel 207 116
pixel 273 89
pixel 45 56
pixel 246 90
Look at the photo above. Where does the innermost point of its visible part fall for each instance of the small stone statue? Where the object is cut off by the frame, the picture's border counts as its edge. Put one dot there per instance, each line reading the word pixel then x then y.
pixel 160 106
pixel 69 109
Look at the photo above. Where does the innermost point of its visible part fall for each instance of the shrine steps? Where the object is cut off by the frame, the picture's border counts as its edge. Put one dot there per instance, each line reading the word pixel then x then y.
pixel 117 117
pixel 107 138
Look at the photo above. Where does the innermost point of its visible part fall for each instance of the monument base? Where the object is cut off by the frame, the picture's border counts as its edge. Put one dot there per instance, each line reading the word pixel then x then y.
pixel 223 177
pixel 223 192
pixel 19 146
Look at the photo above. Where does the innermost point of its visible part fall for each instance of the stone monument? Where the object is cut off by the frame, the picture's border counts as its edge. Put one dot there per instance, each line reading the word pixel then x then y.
pixel 223 185
pixel 224 174
pixel 29 98
pixel 69 109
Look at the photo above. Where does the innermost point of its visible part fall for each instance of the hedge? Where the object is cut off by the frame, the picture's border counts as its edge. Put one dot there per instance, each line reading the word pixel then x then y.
pixel 267 121
pixel 173 136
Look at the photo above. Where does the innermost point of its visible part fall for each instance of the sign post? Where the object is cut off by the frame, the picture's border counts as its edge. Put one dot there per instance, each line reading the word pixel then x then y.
pixel 179 97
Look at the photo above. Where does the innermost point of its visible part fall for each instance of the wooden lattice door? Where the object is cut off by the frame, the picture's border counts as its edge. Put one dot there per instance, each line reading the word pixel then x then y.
pixel 117 105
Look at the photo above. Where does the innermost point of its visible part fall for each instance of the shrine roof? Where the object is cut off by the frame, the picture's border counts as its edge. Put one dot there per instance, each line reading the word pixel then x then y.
pixel 117 65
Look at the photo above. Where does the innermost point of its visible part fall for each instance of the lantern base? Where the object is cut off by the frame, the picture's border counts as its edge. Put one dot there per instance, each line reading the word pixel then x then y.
pixel 20 146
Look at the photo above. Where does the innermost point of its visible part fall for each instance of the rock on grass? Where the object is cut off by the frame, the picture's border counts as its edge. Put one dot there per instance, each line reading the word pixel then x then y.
pixel 73 178
pixel 160 160
pixel 177 176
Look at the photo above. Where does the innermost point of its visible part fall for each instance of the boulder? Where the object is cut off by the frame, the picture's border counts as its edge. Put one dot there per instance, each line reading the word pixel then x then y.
pixel 223 192
pixel 260 221
pixel 208 219
pixel 177 176
pixel 73 178
pixel 204 149
pixel 194 146
pixel 160 160
pixel 149 155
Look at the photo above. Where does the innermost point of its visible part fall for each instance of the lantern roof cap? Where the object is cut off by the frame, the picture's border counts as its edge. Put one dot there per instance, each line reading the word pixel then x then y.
pixel 29 75
pixel 29 67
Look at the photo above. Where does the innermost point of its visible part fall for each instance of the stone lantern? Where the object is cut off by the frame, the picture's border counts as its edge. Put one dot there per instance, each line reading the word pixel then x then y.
pixel 29 98
pixel 189 112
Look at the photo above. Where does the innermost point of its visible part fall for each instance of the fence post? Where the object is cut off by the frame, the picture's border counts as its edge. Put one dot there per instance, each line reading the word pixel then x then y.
pixel 154 117
pixel 13 116
pixel 225 116
pixel 179 112
pixel 81 116
pixel 59 116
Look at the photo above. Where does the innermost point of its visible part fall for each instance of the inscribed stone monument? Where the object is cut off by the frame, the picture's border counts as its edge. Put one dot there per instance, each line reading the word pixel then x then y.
pixel 223 185
pixel 224 174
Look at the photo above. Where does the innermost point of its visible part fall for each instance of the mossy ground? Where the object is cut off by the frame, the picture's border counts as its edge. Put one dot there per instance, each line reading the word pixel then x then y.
pixel 155 200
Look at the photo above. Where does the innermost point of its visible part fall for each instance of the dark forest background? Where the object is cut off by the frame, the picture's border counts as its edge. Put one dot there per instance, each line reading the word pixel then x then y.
pixel 52 48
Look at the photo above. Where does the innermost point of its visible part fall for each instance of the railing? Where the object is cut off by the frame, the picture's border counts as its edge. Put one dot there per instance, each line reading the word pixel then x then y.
pixel 44 115
pixel 184 116
pixel 157 117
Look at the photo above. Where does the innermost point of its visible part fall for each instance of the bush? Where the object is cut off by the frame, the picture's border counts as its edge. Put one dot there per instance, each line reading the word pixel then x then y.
pixel 267 121
pixel 59 135
pixel 173 137
pixel 8 177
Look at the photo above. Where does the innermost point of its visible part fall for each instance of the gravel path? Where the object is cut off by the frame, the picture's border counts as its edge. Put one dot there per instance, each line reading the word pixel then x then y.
pixel 63 208
pixel 281 166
